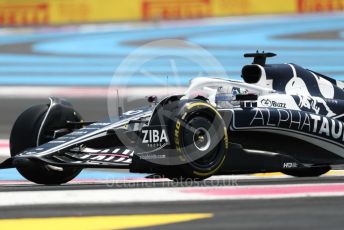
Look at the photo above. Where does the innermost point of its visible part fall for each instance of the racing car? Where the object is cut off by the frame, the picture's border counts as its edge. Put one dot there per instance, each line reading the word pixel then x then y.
pixel 280 118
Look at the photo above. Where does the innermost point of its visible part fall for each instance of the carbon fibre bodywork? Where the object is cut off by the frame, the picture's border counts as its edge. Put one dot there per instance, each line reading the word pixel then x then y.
pixel 281 117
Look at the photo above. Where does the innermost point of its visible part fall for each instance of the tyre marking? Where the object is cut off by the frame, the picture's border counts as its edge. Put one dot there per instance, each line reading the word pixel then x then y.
pixel 203 104
pixel 225 138
pixel 45 118
pixel 176 136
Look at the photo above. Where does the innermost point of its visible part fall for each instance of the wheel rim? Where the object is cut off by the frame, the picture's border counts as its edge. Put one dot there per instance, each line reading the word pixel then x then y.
pixel 202 139
pixel 198 141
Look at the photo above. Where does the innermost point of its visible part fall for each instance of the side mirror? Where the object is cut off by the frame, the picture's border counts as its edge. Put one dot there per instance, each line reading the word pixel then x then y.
pixel 152 99
pixel 246 97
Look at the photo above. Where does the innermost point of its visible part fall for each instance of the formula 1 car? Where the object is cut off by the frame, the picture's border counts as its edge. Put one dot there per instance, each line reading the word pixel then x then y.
pixel 280 118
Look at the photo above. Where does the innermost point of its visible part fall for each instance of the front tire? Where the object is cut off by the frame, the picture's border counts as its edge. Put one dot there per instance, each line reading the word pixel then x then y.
pixel 24 135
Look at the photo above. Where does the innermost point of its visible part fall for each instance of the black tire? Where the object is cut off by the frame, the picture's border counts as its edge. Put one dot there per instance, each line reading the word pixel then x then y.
pixel 24 135
pixel 200 138
pixel 308 172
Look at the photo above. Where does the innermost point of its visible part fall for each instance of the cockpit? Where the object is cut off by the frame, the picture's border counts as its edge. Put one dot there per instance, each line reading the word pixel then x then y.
pixel 222 93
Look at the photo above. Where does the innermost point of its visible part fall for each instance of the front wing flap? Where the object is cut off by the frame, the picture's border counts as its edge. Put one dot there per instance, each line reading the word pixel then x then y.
pixel 120 157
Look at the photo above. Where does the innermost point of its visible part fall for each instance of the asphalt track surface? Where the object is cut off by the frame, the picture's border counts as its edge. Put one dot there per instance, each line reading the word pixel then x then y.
pixel 309 213
pixel 294 213
pixel 70 58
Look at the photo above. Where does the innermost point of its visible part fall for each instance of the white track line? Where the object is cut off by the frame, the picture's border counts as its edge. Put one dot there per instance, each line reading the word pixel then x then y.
pixel 115 196
pixel 82 92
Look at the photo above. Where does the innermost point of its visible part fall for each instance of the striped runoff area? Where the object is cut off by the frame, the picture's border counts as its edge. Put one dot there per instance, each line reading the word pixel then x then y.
pixel 93 57
pixel 173 194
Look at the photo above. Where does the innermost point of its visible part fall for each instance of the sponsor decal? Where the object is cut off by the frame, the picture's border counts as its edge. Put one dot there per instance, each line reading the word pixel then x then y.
pixel 289 165
pixel 115 155
pixel 103 158
pixel 305 6
pixel 272 103
pixel 154 137
pixel 316 125
pixel 315 105
pixel 176 9
pixel 24 14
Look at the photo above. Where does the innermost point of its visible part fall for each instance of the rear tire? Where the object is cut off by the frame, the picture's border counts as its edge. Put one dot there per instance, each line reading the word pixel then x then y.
pixel 24 135
pixel 200 137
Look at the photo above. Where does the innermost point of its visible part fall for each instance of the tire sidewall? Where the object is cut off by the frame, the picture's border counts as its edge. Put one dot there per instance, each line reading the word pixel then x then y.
pixel 189 111
pixel 23 136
